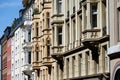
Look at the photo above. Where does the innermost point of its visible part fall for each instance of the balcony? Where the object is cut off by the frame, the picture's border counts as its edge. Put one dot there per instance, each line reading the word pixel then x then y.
pixel 27 69
pixel 27 21
pixel 36 65
pixel 57 53
pixel 47 61
pixel 91 38
pixel 91 34
pixel 27 45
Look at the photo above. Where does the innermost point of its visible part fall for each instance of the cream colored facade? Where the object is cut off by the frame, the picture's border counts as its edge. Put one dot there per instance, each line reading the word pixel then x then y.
pixel 80 39
pixel 70 40
pixel 114 49
pixel 42 40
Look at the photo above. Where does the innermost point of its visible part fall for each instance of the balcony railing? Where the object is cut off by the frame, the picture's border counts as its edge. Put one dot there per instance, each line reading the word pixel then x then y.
pixel 36 65
pixel 91 34
pixel 57 49
pixel 47 61
pixel 27 45
pixel 73 45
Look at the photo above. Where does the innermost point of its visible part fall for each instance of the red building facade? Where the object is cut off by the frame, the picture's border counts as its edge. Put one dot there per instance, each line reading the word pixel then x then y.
pixel 6 53
pixel 8 59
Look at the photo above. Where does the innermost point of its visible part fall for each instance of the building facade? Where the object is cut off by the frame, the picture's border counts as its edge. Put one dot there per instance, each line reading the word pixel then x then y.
pixel 27 45
pixel 80 39
pixel 21 46
pixel 9 58
pixel 114 49
pixel 4 53
pixel 43 64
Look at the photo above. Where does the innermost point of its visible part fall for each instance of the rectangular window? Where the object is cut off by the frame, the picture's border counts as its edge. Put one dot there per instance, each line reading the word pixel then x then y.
pixel 29 35
pixel 48 20
pixel 74 33
pixel 37 56
pixel 118 24
pixel 94 15
pixel 68 34
pixel 59 6
pixel 48 48
pixel 59 35
pixel 29 57
pixel 37 30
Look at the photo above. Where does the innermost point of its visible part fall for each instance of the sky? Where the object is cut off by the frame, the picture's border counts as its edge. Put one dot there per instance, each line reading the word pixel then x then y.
pixel 9 9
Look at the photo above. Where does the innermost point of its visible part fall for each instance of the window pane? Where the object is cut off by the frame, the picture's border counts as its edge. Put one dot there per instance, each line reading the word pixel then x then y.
pixel 59 6
pixel 37 56
pixel 94 15
pixel 59 35
pixel 29 57
pixel 48 50
pixel 118 25
pixel 94 20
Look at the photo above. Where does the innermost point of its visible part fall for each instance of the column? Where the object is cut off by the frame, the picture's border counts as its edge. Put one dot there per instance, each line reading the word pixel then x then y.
pixel 84 18
pixel 65 69
pixel 71 68
pixel 36 75
pixel 56 71
pixel 100 13
pixel 55 6
pixel 77 66
pixel 55 36
pixel 88 16
pixel 60 73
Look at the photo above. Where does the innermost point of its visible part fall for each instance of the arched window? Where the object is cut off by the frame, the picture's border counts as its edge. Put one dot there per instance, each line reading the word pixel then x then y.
pixel 117 75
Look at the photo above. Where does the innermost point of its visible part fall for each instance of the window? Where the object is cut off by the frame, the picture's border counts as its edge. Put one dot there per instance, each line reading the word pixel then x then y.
pixel 94 15
pixel 74 32
pixel 118 24
pixel 48 20
pixel 29 35
pixel 37 56
pixel 37 30
pixel 48 48
pixel 29 57
pixel 67 8
pixel 68 34
pixel 59 35
pixel 68 5
pixel 59 6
